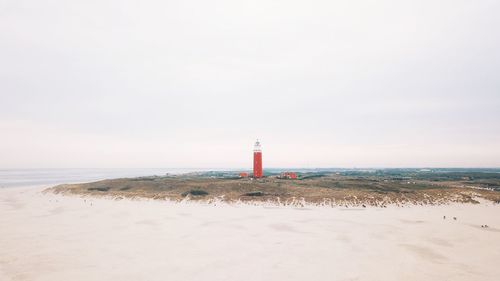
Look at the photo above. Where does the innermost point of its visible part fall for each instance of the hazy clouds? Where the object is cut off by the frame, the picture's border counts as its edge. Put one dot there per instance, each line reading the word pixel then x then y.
pixel 193 83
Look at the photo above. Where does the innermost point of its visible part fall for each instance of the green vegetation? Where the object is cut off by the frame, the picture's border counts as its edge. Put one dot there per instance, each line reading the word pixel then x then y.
pixel 152 178
pixel 254 193
pixel 104 189
pixel 369 186
pixel 195 192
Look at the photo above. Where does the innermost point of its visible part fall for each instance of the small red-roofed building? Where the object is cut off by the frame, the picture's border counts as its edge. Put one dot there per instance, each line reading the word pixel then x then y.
pixel 289 175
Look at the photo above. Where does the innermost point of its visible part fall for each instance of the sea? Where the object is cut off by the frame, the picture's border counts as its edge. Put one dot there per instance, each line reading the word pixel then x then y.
pixel 50 177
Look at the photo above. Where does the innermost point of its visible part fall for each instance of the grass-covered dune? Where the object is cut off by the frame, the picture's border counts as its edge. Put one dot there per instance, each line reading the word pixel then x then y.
pixel 319 188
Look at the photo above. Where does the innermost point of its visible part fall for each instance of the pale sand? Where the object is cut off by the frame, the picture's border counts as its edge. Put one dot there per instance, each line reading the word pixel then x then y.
pixel 51 237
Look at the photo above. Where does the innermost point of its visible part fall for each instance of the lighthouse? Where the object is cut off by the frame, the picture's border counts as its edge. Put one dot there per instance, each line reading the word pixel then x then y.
pixel 257 160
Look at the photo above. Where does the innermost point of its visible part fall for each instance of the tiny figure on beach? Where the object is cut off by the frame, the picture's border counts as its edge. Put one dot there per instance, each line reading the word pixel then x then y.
pixel 455 218
pixel 444 217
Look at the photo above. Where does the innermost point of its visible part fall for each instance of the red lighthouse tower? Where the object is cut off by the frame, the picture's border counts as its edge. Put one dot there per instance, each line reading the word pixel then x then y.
pixel 257 160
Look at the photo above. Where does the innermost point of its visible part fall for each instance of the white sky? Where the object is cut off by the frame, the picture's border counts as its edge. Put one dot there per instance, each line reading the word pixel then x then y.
pixel 193 83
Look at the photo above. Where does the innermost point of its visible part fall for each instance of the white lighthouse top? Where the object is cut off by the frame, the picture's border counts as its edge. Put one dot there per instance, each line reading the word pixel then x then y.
pixel 257 146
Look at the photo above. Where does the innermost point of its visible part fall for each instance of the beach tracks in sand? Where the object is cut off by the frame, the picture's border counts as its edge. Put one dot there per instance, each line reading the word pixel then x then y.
pixel 52 237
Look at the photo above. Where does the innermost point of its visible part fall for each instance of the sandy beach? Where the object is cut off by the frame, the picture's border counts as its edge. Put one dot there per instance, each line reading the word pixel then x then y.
pixel 44 236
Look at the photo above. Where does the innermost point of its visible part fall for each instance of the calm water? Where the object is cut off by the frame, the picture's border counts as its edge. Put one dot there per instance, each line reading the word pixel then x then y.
pixel 49 177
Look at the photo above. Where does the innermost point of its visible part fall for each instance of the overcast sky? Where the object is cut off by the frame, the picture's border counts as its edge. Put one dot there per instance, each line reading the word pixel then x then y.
pixel 193 83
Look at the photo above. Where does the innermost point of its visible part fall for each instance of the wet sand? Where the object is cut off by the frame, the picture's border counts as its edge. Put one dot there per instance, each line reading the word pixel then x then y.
pixel 44 236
